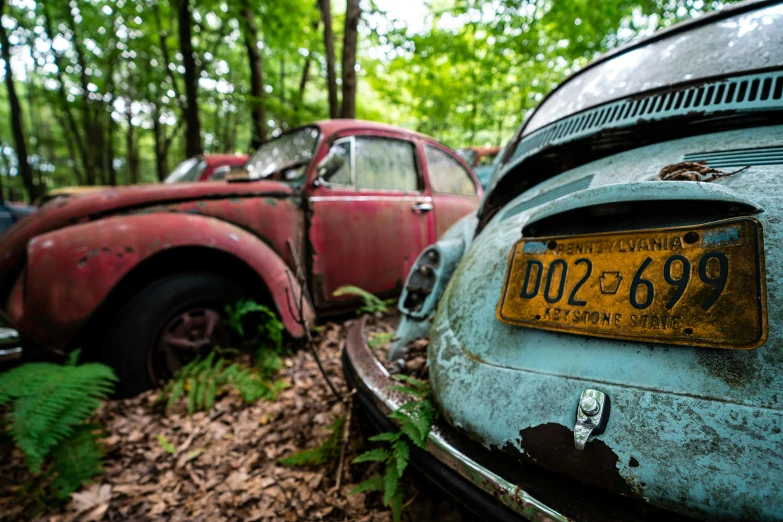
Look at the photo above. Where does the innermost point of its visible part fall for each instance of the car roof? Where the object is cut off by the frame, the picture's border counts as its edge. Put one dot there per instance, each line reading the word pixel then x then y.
pixel 340 125
pixel 223 159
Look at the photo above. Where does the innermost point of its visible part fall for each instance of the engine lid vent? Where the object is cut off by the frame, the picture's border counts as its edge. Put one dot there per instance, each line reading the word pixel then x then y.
pixel 738 157
pixel 549 195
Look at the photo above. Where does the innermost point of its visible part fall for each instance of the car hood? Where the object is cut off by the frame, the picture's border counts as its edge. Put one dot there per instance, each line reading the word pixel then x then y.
pixel 66 211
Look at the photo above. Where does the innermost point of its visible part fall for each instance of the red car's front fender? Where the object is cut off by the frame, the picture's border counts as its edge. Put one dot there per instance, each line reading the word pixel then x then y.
pixel 71 271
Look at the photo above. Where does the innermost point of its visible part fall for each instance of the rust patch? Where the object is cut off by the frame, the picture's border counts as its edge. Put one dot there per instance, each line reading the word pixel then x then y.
pixel 733 367
pixel 551 446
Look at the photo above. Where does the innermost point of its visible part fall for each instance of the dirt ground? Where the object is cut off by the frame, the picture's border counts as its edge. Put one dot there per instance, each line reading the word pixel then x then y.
pixel 224 462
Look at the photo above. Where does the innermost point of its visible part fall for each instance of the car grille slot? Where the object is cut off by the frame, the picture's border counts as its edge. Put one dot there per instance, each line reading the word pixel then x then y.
pixel 549 195
pixel 738 157
pixel 747 92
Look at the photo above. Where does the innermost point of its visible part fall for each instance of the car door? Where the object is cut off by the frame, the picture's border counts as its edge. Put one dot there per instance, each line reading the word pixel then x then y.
pixel 455 191
pixel 368 223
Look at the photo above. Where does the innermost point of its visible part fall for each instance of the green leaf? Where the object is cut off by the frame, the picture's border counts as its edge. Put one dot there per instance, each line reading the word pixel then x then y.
pixel 396 506
pixel 385 437
pixel 165 444
pixel 374 483
pixel 391 481
pixel 408 390
pixel 373 455
pixel 401 452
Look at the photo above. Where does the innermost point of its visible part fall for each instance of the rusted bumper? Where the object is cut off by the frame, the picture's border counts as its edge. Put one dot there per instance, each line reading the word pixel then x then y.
pixel 446 462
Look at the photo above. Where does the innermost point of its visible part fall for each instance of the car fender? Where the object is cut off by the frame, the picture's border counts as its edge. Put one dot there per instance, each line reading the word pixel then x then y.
pixel 71 271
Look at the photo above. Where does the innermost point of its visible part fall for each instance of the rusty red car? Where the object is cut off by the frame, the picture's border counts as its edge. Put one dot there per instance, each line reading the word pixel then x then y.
pixel 138 276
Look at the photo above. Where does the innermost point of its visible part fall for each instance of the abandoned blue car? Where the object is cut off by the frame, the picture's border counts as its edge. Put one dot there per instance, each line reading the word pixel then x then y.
pixel 606 331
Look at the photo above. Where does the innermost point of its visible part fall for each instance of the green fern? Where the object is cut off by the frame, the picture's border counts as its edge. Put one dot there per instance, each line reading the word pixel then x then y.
pixel 380 339
pixel 202 379
pixel 78 459
pixel 46 407
pixel 414 419
pixel 372 304
pixel 327 451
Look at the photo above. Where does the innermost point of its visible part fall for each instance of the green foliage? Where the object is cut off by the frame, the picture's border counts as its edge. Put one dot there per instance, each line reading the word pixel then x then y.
pixel 261 331
pixel 326 452
pixel 381 339
pixel 414 419
pixel 47 406
pixel 165 444
pixel 372 304
pixel 202 379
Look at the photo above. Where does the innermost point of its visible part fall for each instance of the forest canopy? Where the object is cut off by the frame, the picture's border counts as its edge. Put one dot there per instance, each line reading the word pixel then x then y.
pixel 105 92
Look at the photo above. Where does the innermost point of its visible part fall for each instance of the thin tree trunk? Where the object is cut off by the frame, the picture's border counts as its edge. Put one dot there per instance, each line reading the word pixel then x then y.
pixel 161 168
pixel 77 171
pixel 17 124
pixel 72 128
pixel 131 152
pixel 352 14
pixel 331 77
pixel 193 143
pixel 255 61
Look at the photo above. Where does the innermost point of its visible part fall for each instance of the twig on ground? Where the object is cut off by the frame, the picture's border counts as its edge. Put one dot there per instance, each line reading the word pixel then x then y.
pixel 346 436
pixel 299 316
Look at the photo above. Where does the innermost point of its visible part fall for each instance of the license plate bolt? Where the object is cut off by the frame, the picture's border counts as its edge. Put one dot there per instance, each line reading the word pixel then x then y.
pixel 592 413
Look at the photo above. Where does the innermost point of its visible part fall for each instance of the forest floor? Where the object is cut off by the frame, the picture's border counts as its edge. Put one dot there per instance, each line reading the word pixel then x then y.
pixel 224 462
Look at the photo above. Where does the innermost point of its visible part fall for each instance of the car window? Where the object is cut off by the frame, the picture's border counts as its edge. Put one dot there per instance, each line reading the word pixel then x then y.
pixel 188 170
pixel 385 164
pixel 447 176
pixel 343 175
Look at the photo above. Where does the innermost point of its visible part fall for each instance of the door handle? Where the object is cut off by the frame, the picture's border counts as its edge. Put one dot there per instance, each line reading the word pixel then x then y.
pixel 422 207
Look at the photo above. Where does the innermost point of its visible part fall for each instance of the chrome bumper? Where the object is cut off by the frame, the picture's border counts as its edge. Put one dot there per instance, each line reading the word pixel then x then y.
pixel 10 345
pixel 375 379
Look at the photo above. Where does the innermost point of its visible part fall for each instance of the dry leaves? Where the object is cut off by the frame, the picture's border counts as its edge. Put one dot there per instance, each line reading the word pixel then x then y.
pixel 223 465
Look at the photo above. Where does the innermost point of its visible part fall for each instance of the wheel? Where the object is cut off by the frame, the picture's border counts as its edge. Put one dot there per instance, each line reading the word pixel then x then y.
pixel 164 326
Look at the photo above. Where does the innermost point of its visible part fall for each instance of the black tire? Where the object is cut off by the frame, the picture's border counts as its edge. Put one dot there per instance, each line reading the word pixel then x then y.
pixel 134 332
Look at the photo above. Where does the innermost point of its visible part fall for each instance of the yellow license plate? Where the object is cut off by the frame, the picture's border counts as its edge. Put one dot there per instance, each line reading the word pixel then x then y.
pixel 698 285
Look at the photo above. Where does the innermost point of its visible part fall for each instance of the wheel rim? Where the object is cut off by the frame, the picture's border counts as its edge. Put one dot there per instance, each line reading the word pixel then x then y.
pixel 187 335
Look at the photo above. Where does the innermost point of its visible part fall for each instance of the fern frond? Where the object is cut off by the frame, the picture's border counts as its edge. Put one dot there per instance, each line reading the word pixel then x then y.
pixel 387 436
pixel 373 455
pixel 396 506
pixel 327 451
pixel 391 481
pixel 374 483
pixel 401 452
pixel 49 401
pixel 76 460
pixel 372 304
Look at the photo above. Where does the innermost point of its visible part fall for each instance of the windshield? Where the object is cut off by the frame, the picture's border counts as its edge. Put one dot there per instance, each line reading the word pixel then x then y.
pixel 188 170
pixel 284 158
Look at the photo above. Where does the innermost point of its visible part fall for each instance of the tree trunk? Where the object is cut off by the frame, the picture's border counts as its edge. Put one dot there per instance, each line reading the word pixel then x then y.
pixel 255 60
pixel 77 171
pixel 131 152
pixel 72 128
pixel 331 77
pixel 111 175
pixel 352 13
pixel 17 125
pixel 161 167
pixel 193 143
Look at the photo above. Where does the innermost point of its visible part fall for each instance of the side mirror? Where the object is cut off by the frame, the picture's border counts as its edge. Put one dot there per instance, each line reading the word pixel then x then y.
pixel 329 166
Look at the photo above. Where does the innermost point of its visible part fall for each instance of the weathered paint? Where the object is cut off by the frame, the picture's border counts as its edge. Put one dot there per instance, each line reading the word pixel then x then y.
pixel 88 260
pixel 350 238
pixel 695 430
pixel 375 235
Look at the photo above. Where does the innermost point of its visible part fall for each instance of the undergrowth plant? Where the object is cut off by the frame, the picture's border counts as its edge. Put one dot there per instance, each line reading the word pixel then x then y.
pixel 202 379
pixel 414 419
pixel 326 452
pixel 46 407
pixel 372 304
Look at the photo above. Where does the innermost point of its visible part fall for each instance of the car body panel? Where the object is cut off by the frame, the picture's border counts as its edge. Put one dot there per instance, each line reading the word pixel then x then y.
pixel 275 228
pixel 691 429
pixel 91 258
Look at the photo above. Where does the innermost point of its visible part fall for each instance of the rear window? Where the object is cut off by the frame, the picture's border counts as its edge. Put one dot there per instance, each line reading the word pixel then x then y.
pixel 744 42
pixel 447 175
